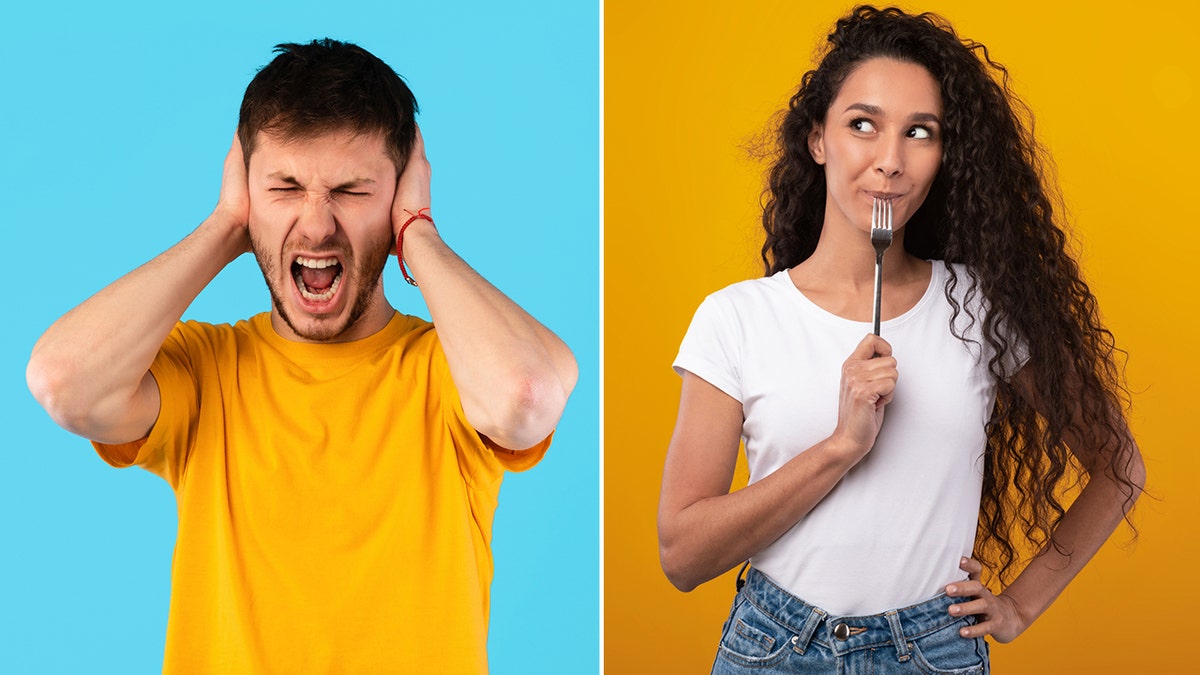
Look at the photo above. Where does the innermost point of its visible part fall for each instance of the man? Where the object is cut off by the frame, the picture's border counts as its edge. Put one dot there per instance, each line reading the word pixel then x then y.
pixel 336 463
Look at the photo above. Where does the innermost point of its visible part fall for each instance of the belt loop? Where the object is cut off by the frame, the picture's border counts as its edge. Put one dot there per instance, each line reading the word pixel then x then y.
pixel 801 640
pixel 893 619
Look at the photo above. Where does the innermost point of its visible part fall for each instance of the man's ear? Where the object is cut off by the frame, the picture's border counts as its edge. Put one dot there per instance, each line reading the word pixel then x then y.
pixel 816 144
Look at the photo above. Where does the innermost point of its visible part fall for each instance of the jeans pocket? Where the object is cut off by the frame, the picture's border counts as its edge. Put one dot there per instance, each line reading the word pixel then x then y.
pixel 752 638
pixel 945 652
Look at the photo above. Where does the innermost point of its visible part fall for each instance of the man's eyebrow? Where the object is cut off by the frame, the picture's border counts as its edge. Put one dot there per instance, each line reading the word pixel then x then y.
pixel 348 185
pixel 355 183
pixel 283 177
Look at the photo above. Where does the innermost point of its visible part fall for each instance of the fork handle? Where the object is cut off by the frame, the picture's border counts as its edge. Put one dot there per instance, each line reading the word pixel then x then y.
pixel 878 288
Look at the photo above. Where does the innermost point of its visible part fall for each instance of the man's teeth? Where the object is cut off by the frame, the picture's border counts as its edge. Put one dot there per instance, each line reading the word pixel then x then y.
pixel 315 263
pixel 319 297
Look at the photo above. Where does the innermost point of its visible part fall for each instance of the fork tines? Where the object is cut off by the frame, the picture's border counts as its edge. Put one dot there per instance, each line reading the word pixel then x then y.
pixel 881 224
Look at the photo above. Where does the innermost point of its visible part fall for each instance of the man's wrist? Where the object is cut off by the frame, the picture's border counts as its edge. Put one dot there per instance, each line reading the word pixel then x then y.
pixel 414 233
pixel 231 229
pixel 418 229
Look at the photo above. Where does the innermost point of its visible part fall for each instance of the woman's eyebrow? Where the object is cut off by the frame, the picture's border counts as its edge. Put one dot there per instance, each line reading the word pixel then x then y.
pixel 878 112
pixel 865 107
pixel 924 117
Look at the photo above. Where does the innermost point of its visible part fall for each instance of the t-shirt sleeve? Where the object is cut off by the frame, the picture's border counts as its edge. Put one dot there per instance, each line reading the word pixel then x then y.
pixel 712 347
pixel 164 450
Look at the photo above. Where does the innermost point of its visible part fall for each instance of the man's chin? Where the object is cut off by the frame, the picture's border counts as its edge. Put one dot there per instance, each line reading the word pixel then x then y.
pixel 296 323
pixel 325 330
pixel 307 328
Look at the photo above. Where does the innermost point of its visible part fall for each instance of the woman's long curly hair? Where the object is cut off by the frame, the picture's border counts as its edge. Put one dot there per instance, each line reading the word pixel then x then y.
pixel 992 207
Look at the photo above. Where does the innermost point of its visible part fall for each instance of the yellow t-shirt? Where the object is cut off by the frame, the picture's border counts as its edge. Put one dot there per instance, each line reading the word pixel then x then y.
pixel 335 506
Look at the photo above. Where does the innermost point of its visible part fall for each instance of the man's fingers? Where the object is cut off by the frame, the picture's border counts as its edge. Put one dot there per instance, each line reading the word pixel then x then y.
pixel 418 141
pixel 234 197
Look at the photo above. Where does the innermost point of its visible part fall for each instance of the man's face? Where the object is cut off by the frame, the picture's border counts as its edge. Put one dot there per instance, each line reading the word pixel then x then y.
pixel 321 229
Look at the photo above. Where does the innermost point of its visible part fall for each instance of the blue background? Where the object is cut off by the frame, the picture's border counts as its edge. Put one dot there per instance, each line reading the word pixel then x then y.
pixel 115 123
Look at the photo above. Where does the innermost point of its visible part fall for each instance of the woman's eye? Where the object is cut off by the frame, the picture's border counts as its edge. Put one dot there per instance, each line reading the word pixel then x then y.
pixel 350 192
pixel 861 124
pixel 283 189
pixel 921 133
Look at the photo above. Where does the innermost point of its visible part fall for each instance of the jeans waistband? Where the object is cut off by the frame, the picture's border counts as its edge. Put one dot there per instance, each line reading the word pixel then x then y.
pixel 845 634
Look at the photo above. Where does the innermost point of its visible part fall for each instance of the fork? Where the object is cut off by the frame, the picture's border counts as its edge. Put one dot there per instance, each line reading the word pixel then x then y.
pixel 881 239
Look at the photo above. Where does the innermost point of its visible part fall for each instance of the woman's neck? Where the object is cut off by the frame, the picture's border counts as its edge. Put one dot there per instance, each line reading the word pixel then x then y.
pixel 840 275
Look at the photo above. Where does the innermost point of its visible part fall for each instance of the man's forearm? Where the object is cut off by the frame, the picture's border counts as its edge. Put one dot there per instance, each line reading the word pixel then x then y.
pixel 513 374
pixel 90 368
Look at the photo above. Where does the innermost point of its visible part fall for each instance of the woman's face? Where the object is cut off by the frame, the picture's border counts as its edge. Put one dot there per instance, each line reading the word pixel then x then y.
pixel 882 137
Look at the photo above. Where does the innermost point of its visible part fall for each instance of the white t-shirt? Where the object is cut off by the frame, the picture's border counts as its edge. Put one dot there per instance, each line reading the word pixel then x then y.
pixel 891 533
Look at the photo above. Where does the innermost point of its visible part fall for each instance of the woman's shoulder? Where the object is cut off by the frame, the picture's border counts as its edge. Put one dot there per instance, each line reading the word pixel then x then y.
pixel 963 288
pixel 750 291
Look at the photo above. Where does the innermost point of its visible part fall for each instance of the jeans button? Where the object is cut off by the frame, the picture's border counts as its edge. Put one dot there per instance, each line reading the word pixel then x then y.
pixel 841 631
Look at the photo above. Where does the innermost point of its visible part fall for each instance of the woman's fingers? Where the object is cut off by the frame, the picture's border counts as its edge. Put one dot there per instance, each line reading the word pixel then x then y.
pixel 870 380
pixel 969 608
pixel 996 615
pixel 981 629
pixel 972 567
pixel 868 384
pixel 970 588
pixel 871 346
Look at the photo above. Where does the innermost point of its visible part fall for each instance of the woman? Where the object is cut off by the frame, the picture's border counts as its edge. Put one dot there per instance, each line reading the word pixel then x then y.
pixel 883 481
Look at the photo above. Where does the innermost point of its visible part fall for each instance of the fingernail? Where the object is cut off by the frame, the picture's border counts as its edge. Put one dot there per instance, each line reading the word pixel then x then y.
pixel 962 561
pixel 964 632
pixel 952 589
pixel 954 609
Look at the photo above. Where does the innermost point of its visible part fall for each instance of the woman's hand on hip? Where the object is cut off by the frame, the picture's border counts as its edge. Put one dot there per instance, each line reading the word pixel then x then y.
pixel 998 615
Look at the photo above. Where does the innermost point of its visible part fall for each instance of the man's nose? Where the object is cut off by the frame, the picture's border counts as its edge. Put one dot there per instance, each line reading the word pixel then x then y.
pixel 316 222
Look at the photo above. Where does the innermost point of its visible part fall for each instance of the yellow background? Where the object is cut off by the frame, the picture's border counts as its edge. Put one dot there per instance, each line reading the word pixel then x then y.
pixel 688 85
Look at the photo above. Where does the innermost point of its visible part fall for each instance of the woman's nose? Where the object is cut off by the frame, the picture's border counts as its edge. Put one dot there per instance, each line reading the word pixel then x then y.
pixel 890 158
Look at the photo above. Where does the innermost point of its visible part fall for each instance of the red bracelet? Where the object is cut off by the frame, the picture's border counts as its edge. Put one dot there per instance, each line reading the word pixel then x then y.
pixel 400 240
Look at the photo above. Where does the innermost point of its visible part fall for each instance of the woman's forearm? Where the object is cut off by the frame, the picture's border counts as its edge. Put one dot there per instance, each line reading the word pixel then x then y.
pixel 1087 524
pixel 708 537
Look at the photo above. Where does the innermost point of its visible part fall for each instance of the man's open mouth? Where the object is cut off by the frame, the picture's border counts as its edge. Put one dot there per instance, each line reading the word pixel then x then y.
pixel 317 279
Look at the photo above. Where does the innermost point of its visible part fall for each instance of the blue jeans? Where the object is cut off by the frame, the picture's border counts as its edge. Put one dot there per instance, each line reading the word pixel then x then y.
pixel 771 631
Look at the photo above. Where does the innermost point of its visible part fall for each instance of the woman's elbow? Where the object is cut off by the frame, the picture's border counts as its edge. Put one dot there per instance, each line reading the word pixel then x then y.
pixel 677 563
pixel 677 574
pixel 1134 475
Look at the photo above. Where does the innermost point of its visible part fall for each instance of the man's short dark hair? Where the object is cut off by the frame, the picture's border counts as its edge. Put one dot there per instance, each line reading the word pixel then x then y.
pixel 328 86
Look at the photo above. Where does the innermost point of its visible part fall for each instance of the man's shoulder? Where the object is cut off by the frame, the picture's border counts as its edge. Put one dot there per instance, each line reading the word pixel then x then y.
pixel 192 332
